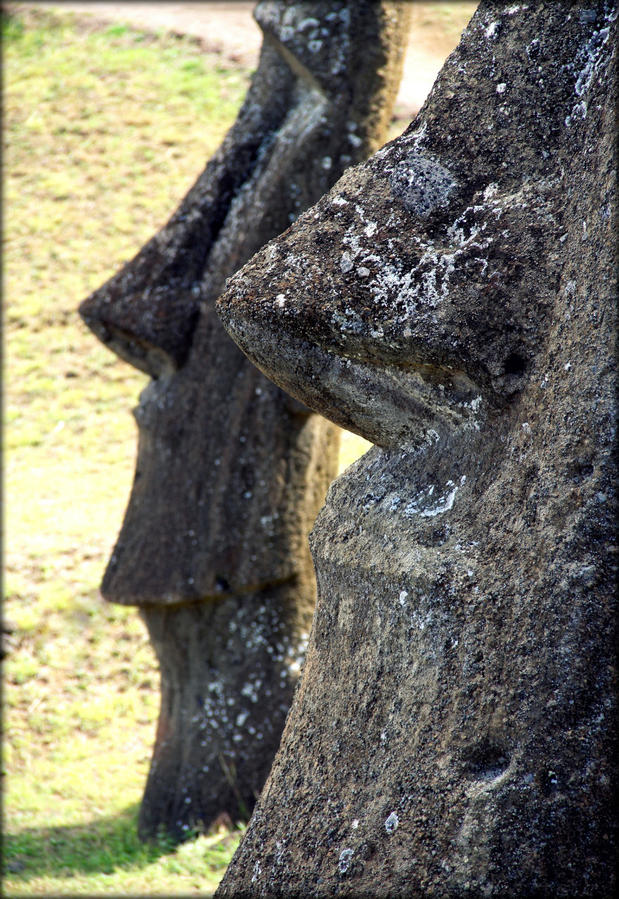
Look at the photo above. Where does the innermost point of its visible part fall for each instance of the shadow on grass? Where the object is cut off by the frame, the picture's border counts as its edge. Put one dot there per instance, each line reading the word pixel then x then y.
pixel 102 846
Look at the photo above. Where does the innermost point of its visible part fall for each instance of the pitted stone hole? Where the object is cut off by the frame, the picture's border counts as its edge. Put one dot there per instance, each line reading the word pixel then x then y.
pixel 222 585
pixel 515 364
pixel 486 761
pixel 548 781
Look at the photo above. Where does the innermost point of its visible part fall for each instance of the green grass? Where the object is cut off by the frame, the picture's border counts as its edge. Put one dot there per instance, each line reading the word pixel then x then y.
pixel 108 858
pixel 104 133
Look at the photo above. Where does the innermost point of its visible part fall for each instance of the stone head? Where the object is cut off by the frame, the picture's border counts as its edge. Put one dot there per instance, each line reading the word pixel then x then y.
pixel 417 297
pixel 223 489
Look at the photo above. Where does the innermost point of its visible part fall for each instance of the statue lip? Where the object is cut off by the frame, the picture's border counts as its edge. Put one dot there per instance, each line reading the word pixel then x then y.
pixel 150 327
pixel 389 405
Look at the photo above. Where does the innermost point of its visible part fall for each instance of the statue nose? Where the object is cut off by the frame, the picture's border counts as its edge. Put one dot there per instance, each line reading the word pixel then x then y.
pixel 150 329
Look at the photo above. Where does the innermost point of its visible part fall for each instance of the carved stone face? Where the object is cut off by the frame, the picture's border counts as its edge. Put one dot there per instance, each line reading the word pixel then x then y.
pixel 393 318
pixel 209 516
pixel 392 321
pixel 416 295
pixel 223 492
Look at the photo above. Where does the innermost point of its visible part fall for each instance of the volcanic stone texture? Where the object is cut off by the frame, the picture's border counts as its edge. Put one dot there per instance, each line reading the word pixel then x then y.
pixel 231 471
pixel 453 731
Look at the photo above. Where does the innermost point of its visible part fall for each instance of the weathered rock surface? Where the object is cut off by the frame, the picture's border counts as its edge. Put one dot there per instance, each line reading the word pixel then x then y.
pixel 453 731
pixel 231 471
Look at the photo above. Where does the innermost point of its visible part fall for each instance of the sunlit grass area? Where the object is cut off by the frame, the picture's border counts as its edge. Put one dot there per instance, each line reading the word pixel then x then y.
pixel 104 133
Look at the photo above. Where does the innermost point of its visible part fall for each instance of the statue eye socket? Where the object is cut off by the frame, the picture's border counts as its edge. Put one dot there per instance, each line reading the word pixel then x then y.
pixel 515 364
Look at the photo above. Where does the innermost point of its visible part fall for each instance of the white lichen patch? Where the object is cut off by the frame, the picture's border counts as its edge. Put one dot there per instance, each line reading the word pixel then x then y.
pixel 345 860
pixel 392 823
pixel 475 404
pixel 589 60
pixel 256 872
pixel 426 505
pixel 428 283
pixel 492 30
pixel 346 263
pixel 472 407
pixel 392 502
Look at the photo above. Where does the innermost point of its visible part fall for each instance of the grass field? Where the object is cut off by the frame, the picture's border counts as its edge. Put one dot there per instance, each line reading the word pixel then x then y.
pixel 105 130
pixel 104 133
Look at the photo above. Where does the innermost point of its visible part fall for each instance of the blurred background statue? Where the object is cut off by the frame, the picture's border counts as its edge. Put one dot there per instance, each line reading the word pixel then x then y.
pixel 230 470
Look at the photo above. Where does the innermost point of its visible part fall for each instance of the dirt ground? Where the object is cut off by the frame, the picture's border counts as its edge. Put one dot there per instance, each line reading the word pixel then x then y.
pixel 228 28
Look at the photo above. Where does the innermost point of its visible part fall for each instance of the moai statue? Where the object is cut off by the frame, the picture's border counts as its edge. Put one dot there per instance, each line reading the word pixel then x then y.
pixel 231 471
pixel 453 300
